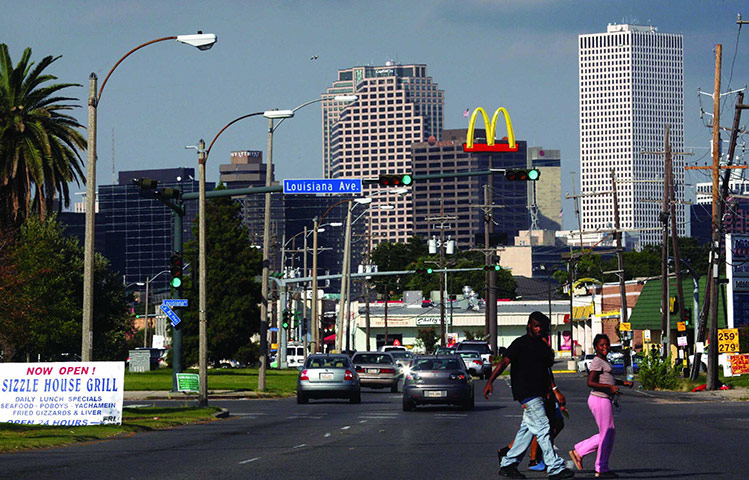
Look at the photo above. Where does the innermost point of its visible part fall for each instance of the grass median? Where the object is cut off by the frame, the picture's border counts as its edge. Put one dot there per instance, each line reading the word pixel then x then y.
pixel 15 437
pixel 277 382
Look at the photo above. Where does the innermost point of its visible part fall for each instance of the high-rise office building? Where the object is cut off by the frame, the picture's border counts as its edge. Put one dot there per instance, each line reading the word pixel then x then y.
pixel 398 105
pixel 455 204
pixel 631 87
pixel 247 170
pixel 139 228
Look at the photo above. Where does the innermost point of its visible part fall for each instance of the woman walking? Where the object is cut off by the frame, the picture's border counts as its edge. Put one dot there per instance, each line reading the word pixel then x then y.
pixel 604 386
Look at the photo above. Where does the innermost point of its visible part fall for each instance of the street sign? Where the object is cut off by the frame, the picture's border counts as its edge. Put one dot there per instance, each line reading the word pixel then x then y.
pixel 728 340
pixel 173 318
pixel 188 382
pixel 322 185
pixel 625 327
pixel 174 302
pixel 681 326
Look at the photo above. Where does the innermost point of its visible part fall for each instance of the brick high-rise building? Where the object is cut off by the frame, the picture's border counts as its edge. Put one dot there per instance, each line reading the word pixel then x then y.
pixel 398 105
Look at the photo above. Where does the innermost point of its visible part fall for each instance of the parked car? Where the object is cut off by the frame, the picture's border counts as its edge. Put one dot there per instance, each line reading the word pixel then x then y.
pixel 618 365
pixel 403 359
pixel 229 363
pixel 328 376
pixel 483 349
pixel 473 362
pixel 393 348
pixel 377 370
pixel 583 362
pixel 444 350
pixel 438 379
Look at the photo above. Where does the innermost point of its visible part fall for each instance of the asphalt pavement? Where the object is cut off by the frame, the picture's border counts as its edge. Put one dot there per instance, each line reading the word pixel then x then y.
pixel 659 435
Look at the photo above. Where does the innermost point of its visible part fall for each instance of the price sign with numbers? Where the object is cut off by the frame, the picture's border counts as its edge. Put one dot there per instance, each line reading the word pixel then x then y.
pixel 728 340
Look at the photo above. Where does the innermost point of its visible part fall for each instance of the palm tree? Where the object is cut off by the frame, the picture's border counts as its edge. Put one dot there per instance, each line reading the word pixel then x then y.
pixel 39 142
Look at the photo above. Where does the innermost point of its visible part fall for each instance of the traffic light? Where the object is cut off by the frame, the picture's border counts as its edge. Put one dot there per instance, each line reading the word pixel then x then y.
pixel 286 319
pixel 169 193
pixel 175 267
pixel 492 268
pixel 522 174
pixel 424 271
pixel 673 304
pixel 146 183
pixel 395 180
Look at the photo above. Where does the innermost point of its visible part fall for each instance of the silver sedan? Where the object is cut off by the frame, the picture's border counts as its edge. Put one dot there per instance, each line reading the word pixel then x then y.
pixel 328 376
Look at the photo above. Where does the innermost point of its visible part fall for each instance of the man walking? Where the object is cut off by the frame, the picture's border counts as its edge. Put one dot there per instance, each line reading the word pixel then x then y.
pixel 531 380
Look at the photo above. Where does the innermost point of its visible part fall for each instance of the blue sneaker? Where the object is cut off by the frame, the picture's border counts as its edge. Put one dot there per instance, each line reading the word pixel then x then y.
pixel 539 466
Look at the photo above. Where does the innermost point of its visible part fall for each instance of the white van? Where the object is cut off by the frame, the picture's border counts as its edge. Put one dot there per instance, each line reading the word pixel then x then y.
pixel 294 355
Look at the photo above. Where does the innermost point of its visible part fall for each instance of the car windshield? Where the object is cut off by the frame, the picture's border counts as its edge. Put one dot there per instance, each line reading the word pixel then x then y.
pixel 373 358
pixel 328 362
pixel 399 355
pixel 436 364
pixel 469 354
pixel 476 347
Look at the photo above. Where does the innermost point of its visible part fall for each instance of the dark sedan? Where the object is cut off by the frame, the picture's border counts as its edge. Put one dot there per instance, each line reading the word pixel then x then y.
pixel 438 379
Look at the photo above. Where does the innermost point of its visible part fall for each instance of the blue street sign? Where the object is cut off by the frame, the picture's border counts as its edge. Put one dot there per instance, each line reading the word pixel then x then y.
pixel 173 318
pixel 174 302
pixel 322 185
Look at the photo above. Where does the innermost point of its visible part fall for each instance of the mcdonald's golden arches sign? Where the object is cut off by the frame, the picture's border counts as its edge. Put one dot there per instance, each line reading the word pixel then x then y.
pixel 490 145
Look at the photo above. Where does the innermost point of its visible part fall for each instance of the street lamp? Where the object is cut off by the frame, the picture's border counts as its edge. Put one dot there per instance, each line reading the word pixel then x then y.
pixel 346 298
pixel 199 40
pixel 281 115
pixel 148 282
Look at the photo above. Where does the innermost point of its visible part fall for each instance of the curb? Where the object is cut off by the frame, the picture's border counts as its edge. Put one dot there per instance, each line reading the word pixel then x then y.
pixel 224 413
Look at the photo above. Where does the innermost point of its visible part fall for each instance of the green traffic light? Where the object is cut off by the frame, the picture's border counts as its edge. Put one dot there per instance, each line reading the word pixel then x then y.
pixel 176 282
pixel 533 174
pixel 429 270
pixel 407 179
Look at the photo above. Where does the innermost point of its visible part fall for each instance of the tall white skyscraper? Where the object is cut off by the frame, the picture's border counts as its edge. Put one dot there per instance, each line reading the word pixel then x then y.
pixel 631 88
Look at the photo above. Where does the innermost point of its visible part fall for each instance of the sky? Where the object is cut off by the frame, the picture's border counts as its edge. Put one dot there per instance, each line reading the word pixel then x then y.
pixel 519 54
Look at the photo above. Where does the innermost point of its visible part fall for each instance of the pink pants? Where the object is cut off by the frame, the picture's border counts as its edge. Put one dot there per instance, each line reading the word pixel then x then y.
pixel 603 441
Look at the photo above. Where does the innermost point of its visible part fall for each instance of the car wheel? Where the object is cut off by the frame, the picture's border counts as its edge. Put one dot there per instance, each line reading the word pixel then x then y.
pixel 394 388
pixel 301 398
pixel 469 404
pixel 355 397
pixel 408 405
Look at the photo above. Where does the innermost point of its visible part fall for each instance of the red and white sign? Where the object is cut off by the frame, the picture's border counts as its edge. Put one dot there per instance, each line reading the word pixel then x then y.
pixel 396 343
pixel 62 393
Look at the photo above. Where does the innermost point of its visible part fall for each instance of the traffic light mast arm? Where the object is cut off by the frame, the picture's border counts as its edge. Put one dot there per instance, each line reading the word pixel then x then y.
pixel 431 176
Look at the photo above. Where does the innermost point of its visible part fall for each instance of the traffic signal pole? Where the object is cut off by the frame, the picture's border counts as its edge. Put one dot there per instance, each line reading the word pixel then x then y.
pixel 177 329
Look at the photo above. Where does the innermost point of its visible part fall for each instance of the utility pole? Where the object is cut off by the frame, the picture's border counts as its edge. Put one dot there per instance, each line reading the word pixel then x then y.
pixel 623 314
pixel 441 245
pixel 665 295
pixel 712 364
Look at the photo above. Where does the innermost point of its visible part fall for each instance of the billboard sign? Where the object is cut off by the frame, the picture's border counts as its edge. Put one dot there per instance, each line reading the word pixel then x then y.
pixel 737 271
pixel 62 393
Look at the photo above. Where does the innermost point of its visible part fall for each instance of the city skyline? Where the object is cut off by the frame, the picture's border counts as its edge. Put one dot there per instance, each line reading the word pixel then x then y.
pixel 520 55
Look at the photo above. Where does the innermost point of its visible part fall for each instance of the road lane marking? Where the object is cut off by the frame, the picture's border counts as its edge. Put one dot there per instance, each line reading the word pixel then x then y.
pixel 250 460
pixel 345 428
pixel 300 445
pixel 326 435
pixel 362 421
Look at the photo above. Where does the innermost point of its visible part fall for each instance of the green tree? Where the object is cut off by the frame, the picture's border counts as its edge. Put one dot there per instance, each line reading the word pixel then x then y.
pixel 233 295
pixel 428 337
pixel 39 143
pixel 47 267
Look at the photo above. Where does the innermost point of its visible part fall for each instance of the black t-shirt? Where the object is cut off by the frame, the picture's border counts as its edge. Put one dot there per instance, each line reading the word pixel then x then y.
pixel 530 362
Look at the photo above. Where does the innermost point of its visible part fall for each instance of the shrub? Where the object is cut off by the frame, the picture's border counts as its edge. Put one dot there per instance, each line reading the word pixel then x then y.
pixel 658 373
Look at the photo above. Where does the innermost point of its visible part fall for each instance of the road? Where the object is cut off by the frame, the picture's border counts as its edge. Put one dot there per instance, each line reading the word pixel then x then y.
pixel 658 436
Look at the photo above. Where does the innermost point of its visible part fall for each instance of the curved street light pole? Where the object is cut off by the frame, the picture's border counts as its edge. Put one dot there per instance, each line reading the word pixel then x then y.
pixel 201 41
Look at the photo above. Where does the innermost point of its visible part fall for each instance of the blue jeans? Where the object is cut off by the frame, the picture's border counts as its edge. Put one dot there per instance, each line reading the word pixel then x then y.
pixel 535 423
